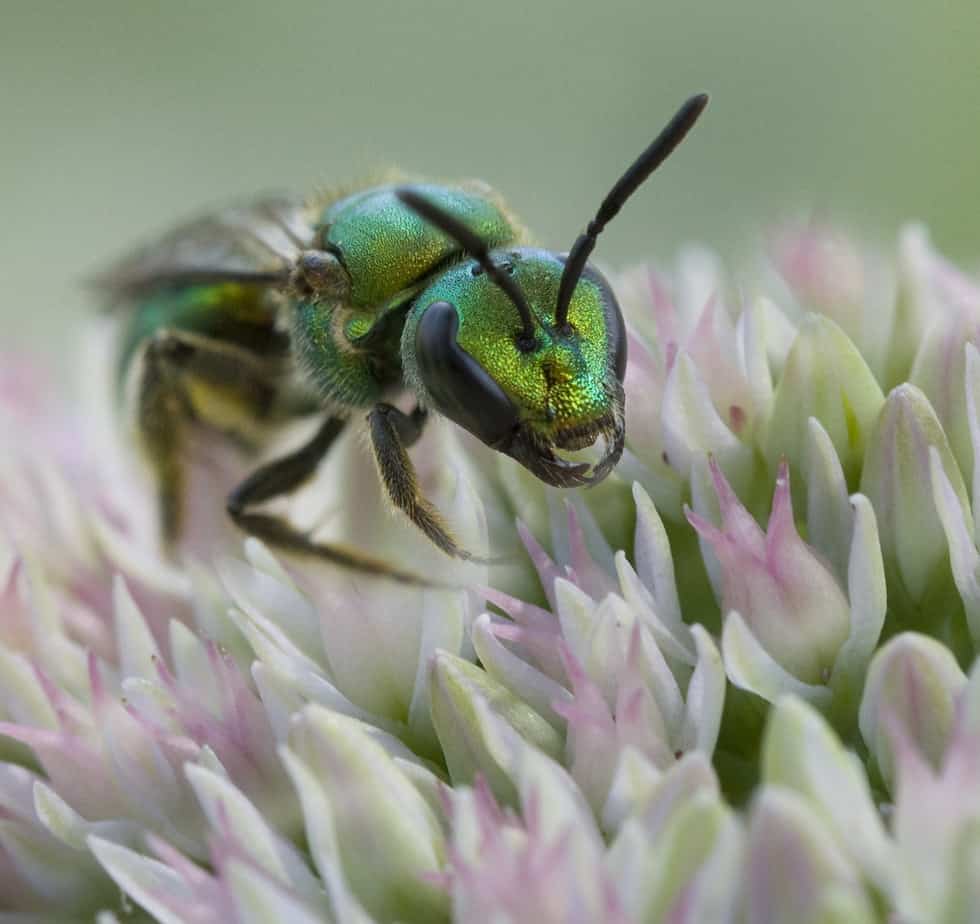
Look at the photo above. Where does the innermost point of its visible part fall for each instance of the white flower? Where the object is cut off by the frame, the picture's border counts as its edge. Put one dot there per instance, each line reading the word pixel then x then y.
pixel 628 720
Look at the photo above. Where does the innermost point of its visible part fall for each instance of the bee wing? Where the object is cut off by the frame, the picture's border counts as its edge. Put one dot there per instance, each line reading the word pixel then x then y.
pixel 256 243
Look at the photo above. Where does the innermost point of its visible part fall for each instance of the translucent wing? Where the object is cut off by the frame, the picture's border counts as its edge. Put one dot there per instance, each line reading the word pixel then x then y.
pixel 254 243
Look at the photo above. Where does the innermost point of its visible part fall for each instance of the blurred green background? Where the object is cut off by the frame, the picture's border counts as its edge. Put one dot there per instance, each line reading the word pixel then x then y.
pixel 118 117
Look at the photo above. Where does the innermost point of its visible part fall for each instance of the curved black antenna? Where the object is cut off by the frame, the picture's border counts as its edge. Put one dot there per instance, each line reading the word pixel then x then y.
pixel 658 151
pixel 476 247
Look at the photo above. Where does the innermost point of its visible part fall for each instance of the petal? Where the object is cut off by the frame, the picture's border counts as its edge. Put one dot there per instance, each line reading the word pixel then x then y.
pixel 675 642
pixel 388 836
pixel 150 883
pixel 914 307
pixel 22 697
pixel 963 556
pixel 692 426
pixel 914 681
pixel 753 332
pixel 138 652
pixel 526 682
pixel 795 868
pixel 322 836
pixel 654 562
pixel 824 377
pixel 272 600
pixel 868 595
pixel 258 900
pixel 705 698
pixel 459 691
pixel 828 509
pixel 683 849
pixel 238 820
pixel 972 380
pixel 897 481
pixel 800 751
pixel 545 790
pixel 633 783
pixel 443 618
pixel 751 667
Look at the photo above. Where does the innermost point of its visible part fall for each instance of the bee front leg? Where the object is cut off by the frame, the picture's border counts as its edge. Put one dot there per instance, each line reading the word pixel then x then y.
pixel 391 431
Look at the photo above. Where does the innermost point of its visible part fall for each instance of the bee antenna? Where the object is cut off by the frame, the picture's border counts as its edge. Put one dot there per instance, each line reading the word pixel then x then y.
pixel 658 151
pixel 476 247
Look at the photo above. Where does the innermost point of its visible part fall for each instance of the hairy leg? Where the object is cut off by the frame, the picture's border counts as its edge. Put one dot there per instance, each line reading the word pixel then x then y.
pixel 186 379
pixel 391 431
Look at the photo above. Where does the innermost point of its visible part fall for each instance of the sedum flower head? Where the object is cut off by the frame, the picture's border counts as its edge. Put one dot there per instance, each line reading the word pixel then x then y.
pixel 733 683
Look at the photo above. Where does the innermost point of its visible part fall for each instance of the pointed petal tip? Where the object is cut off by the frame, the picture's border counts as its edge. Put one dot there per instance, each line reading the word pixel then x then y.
pixel 703 526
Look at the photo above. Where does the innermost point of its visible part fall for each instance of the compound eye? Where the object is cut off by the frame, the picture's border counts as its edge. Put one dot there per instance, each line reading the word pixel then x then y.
pixel 616 335
pixel 458 385
pixel 616 332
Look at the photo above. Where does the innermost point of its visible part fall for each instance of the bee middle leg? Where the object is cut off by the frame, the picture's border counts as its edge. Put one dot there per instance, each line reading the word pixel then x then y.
pixel 392 431
pixel 279 477
pixel 283 475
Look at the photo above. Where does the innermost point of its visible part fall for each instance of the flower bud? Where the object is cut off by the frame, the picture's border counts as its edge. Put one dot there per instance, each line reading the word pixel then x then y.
pixel 823 268
pixel 660 855
pixel 802 753
pixel 940 370
pixel 824 377
pixel 964 558
pixel 914 308
pixel 493 849
pixel 786 595
pixel 44 862
pixel 389 836
pixel 456 689
pixel 936 819
pixel 693 426
pixel 796 871
pixel 913 683
pixel 898 482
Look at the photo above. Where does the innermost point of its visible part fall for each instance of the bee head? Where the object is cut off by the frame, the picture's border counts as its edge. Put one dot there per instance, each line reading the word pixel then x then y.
pixel 523 392
pixel 527 349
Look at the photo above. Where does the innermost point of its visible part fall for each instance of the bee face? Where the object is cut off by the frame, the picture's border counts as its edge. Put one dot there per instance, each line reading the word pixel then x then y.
pixel 524 396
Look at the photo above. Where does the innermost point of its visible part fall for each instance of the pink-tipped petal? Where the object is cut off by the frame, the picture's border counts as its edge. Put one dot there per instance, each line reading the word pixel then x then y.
pixel 548 571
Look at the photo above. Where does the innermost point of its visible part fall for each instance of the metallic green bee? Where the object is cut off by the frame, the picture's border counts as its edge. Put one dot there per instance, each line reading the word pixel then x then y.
pixel 256 316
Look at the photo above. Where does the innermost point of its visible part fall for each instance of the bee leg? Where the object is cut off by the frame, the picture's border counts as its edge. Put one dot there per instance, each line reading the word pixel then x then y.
pixel 174 361
pixel 391 431
pixel 409 426
pixel 162 413
pixel 284 475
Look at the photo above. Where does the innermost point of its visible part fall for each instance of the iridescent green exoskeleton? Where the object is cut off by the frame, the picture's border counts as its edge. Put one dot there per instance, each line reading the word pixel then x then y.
pixel 250 318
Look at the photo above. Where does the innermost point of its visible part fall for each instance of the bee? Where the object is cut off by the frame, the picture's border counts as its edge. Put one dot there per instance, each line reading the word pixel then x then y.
pixel 427 288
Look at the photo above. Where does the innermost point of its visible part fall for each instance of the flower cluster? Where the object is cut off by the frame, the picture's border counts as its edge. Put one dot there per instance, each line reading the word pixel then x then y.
pixel 735 682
